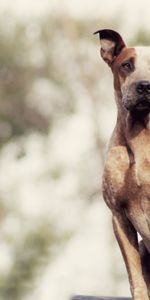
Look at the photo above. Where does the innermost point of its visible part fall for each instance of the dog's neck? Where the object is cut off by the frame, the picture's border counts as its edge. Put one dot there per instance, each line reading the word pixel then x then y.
pixel 138 143
pixel 131 123
pixel 134 128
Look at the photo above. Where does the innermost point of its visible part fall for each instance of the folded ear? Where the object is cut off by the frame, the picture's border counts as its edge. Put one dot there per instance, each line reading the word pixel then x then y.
pixel 111 44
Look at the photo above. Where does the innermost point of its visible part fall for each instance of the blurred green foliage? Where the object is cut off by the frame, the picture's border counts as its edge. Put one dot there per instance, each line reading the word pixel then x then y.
pixel 27 60
pixel 141 38
pixel 16 77
pixel 30 254
pixel 51 54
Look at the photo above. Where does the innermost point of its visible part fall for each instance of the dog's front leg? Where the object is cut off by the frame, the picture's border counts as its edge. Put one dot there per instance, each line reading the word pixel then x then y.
pixel 127 239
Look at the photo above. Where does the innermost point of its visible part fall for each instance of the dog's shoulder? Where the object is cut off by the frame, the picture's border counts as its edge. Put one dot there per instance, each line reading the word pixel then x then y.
pixel 115 171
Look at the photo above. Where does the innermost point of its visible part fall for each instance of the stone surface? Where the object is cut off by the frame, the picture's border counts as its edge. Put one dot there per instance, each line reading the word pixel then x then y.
pixel 98 298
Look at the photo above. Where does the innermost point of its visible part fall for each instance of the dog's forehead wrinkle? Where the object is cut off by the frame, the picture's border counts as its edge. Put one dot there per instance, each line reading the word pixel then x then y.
pixel 142 51
pixel 142 60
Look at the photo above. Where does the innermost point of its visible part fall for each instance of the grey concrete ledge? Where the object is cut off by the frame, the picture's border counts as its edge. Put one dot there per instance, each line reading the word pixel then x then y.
pixel 98 298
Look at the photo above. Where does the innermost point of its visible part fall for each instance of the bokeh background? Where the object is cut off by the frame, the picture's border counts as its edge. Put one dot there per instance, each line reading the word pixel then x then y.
pixel 57 112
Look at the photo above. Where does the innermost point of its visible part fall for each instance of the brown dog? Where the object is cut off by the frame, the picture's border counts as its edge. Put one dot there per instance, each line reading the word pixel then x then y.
pixel 126 181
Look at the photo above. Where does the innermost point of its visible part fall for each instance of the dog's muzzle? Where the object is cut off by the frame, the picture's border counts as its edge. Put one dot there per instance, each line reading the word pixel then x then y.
pixel 143 87
pixel 140 98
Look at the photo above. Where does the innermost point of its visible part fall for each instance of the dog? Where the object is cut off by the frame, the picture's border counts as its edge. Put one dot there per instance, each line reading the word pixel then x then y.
pixel 126 178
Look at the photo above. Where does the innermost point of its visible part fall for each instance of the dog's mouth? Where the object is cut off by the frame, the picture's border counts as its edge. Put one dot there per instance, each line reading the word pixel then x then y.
pixel 142 105
pixel 139 105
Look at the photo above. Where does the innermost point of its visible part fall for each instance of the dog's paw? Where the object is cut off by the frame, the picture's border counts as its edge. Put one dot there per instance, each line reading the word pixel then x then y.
pixel 140 294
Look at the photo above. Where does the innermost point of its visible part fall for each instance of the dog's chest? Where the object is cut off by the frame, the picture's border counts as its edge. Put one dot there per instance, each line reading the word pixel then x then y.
pixel 124 180
pixel 141 148
pixel 115 172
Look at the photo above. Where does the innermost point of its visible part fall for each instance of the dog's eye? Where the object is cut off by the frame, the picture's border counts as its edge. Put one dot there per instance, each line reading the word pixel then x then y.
pixel 127 66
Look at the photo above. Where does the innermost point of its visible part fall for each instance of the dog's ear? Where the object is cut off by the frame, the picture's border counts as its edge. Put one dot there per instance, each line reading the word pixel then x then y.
pixel 111 44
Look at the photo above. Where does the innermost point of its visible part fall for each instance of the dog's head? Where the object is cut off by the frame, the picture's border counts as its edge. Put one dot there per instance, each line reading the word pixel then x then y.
pixel 131 70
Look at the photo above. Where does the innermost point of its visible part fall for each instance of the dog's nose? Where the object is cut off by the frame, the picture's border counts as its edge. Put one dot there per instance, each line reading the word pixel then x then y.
pixel 143 87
